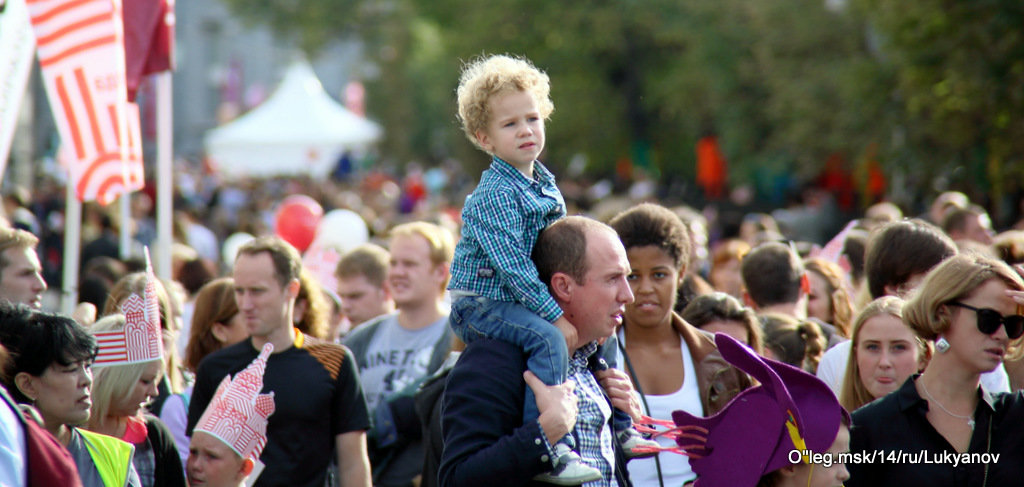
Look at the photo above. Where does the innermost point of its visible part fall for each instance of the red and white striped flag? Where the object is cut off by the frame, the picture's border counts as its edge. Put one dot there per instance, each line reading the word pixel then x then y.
pixel 81 52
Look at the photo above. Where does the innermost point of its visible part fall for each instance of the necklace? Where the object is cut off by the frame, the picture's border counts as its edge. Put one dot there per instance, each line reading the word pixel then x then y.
pixel 969 419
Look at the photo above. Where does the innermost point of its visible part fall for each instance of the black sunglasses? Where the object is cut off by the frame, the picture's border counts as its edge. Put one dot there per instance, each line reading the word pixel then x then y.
pixel 989 321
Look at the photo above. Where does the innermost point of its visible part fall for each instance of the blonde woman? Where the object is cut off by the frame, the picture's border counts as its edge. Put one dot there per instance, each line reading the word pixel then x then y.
pixel 120 394
pixel 135 283
pixel 965 307
pixel 885 353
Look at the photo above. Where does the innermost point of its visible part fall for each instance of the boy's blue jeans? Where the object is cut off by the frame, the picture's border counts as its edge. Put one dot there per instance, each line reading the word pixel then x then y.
pixel 474 317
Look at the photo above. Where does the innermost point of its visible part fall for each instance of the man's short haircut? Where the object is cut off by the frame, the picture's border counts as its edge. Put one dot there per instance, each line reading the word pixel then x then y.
pixel 771 273
pixel 956 218
pixel 440 240
pixel 884 212
pixel 948 200
pixel 898 250
pixel 11 238
pixel 562 247
pixel 649 224
pixel 286 259
pixel 485 77
pixel 368 260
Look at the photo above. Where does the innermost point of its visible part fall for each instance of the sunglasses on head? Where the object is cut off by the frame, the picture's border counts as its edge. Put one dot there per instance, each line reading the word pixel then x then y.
pixel 989 320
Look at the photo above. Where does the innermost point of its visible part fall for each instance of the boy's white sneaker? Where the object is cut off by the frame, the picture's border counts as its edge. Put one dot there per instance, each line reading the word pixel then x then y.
pixel 569 469
pixel 634 445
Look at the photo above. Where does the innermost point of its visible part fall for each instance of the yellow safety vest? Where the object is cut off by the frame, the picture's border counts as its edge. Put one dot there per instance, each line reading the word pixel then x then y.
pixel 112 457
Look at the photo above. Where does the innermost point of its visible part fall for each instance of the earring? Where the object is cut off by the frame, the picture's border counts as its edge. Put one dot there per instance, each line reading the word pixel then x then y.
pixel 942 345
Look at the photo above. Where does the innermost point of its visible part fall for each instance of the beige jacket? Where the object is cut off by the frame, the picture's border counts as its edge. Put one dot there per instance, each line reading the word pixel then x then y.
pixel 719 381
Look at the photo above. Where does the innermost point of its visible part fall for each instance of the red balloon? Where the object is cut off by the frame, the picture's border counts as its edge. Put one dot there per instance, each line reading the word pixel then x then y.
pixel 297 219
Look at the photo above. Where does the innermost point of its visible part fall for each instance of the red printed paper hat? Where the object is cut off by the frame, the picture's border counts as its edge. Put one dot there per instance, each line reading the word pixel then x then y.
pixel 238 413
pixel 141 339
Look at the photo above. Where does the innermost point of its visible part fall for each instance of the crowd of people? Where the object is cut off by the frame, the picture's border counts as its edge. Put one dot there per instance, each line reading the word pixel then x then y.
pixel 525 344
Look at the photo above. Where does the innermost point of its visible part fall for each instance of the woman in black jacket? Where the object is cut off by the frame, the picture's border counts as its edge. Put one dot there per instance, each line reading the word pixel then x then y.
pixel 942 428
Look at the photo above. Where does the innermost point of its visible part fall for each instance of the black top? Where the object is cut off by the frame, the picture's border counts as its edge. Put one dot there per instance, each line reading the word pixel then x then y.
pixel 168 470
pixel 896 426
pixel 317 396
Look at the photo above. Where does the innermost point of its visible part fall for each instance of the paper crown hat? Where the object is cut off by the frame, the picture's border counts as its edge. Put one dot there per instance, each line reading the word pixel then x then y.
pixel 141 339
pixel 238 413
pixel 756 431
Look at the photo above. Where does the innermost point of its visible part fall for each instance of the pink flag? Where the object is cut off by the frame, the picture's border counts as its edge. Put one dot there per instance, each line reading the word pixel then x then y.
pixel 833 250
pixel 81 52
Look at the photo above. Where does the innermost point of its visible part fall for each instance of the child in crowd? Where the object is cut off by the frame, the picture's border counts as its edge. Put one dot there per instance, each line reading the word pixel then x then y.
pixel 503 102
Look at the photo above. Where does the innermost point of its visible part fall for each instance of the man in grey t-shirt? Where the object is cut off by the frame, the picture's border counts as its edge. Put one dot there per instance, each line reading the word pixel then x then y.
pixel 395 351
pixel 397 357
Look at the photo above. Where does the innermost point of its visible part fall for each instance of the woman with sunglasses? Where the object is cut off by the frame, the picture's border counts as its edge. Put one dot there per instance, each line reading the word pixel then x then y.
pixel 943 414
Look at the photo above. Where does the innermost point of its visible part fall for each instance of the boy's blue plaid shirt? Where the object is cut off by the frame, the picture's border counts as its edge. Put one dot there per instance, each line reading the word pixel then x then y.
pixel 500 224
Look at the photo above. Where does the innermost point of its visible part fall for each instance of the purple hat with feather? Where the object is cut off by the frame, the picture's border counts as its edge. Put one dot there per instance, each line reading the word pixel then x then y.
pixel 755 433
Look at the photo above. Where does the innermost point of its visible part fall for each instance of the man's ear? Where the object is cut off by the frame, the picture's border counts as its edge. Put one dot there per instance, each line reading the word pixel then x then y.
pixel 561 286
pixel 805 284
pixel 748 301
pixel 443 270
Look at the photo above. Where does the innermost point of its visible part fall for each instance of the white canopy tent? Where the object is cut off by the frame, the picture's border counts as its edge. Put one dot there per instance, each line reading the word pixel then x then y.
pixel 298 130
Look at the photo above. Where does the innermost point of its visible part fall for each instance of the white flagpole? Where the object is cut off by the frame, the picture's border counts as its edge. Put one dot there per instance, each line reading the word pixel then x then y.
pixel 126 218
pixel 72 245
pixel 124 137
pixel 164 179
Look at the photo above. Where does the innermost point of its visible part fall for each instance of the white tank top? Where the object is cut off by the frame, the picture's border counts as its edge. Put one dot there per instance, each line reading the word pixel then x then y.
pixel 675 468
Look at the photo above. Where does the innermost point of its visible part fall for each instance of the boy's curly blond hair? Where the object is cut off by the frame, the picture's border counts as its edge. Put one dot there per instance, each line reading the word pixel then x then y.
pixel 485 77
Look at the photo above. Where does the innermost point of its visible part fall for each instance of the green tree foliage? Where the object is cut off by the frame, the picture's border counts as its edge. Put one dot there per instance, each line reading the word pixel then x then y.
pixel 785 84
pixel 958 76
